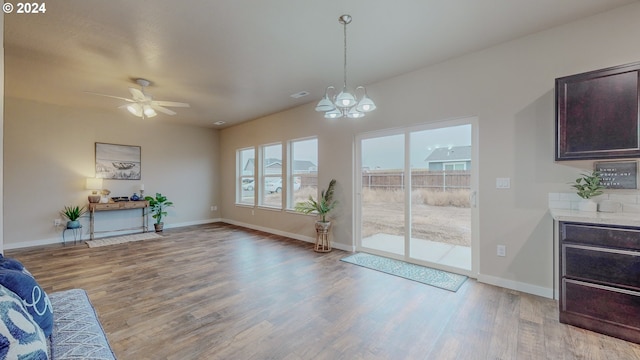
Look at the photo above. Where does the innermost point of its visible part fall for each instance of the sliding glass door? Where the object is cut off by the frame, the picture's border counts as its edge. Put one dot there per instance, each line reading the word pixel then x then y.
pixel 416 194
pixel 382 194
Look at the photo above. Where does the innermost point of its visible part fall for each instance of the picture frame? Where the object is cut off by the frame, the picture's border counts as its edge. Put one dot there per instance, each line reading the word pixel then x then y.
pixel 118 162
pixel 618 174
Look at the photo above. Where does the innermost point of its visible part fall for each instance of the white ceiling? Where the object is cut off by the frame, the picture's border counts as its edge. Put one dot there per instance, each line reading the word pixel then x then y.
pixel 235 61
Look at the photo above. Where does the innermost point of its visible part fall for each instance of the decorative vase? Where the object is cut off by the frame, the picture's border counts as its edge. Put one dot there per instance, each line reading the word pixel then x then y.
pixel 323 244
pixel 158 226
pixel 73 224
pixel 588 205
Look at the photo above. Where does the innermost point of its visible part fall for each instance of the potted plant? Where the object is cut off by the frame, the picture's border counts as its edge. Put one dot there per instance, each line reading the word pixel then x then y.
pixel 158 207
pixel 322 207
pixel 73 213
pixel 588 186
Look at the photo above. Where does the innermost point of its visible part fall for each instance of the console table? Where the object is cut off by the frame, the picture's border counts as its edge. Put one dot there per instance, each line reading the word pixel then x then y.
pixel 121 205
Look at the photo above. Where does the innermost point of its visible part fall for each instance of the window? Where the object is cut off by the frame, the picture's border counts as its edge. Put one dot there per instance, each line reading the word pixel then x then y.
pixel 455 166
pixel 245 185
pixel 271 172
pixel 302 172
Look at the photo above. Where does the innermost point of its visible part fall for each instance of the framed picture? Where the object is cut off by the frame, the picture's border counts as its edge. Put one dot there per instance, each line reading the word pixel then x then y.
pixel 618 175
pixel 118 162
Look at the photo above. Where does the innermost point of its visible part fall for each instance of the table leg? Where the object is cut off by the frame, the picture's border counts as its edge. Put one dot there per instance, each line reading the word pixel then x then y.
pixel 91 224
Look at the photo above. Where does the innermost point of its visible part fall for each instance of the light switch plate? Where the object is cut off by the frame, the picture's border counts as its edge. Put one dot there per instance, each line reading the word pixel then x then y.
pixel 503 183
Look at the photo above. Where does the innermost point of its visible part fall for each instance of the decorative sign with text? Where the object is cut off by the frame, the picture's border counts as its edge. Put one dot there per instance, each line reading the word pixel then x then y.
pixel 618 175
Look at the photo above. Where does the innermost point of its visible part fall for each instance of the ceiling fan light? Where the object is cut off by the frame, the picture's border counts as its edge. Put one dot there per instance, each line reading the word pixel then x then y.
pixel 149 112
pixel 135 109
pixel 366 104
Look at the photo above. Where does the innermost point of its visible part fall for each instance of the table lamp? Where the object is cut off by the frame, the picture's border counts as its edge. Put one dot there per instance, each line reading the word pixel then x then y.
pixel 94 184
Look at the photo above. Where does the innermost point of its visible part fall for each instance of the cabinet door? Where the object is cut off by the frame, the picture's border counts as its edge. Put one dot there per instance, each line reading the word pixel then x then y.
pixel 597 114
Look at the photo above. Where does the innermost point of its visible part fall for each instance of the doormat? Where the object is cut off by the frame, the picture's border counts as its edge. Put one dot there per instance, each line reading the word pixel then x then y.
pixel 122 239
pixel 434 277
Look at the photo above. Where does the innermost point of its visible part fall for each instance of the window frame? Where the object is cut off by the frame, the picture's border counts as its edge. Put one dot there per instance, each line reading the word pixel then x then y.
pixel 291 171
pixel 454 164
pixel 240 176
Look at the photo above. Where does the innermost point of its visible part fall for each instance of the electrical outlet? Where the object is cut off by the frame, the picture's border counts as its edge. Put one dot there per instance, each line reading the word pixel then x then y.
pixel 502 250
pixel 57 222
pixel 214 208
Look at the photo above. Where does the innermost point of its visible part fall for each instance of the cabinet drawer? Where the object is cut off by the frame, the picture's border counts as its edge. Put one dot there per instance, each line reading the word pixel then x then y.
pixel 610 266
pixel 119 205
pixel 601 302
pixel 618 237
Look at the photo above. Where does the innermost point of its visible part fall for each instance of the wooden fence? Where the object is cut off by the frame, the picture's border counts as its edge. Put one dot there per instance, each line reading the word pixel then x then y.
pixel 394 179
pixel 420 179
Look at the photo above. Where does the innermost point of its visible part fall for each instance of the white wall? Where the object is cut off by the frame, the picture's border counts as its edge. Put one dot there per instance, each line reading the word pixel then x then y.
pixel 510 88
pixel 50 150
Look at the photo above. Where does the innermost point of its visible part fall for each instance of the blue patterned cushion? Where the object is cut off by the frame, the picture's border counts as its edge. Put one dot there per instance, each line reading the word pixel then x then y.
pixel 33 297
pixel 13 264
pixel 20 336
pixel 77 333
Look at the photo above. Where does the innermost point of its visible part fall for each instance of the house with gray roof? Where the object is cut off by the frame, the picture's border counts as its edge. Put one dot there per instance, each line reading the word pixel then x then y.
pixel 449 158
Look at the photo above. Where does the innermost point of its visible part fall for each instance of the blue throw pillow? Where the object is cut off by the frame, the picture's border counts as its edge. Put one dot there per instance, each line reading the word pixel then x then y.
pixel 20 336
pixel 35 299
pixel 10 263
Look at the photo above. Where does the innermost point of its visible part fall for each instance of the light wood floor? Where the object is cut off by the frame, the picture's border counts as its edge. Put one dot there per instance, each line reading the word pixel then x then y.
pixel 223 292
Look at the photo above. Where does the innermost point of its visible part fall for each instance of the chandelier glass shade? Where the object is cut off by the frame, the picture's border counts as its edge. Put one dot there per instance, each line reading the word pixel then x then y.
pixel 345 103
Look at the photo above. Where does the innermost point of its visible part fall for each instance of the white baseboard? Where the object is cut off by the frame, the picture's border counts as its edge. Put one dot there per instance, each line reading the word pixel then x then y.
pixel 516 285
pixel 304 238
pixel 85 236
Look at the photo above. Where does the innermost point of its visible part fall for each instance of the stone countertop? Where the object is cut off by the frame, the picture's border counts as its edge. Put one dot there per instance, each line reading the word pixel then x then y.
pixel 619 218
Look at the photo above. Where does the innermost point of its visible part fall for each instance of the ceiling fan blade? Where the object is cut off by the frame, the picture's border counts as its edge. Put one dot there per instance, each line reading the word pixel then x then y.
pixel 162 109
pixel 170 103
pixel 137 94
pixel 111 96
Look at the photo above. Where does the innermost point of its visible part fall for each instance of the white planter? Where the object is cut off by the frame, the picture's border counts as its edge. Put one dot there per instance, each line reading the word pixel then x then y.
pixel 588 205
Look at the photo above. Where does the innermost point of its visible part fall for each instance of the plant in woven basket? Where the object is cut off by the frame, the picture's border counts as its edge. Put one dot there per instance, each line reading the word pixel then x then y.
pixel 322 206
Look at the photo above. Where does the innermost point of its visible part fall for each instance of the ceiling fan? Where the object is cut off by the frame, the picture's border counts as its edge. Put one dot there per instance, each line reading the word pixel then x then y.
pixel 142 104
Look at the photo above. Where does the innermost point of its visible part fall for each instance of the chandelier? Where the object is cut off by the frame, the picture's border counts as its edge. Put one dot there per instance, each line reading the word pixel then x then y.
pixel 345 103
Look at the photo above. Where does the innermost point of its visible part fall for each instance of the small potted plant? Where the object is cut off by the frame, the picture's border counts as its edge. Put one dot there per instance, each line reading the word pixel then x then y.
pixel 588 186
pixel 73 213
pixel 322 207
pixel 158 207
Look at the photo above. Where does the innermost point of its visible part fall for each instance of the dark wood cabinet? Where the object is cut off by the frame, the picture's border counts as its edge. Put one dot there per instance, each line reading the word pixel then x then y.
pixel 597 114
pixel 600 278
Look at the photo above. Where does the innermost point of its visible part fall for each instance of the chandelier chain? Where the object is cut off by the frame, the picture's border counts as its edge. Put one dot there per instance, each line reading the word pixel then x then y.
pixel 345 54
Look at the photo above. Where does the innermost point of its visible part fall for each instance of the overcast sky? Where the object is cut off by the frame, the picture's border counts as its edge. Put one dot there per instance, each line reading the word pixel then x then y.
pixel 388 152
